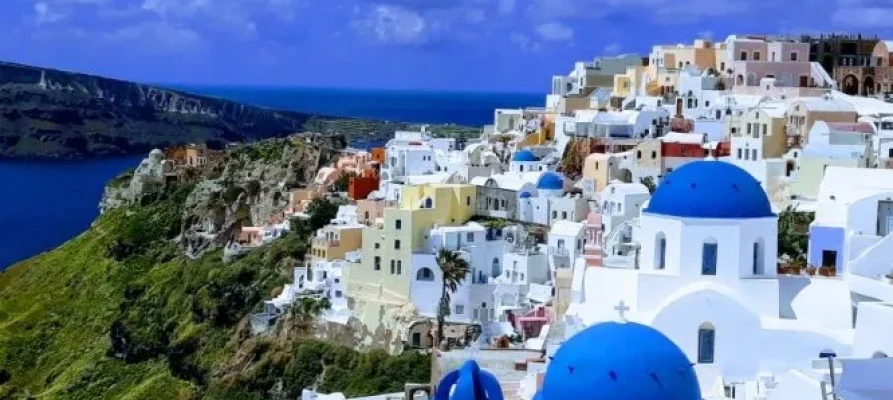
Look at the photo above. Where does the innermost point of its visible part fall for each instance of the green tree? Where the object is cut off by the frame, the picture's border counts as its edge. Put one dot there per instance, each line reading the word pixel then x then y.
pixel 649 183
pixel 343 182
pixel 793 233
pixel 454 269
pixel 321 211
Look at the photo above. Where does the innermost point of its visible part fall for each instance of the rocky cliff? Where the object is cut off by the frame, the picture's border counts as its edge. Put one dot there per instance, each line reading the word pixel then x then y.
pixel 121 313
pixel 57 114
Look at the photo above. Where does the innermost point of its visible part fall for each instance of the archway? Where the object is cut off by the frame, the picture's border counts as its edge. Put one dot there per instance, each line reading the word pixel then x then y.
pixel 739 80
pixel 625 175
pixel 706 343
pixel 850 85
pixel 868 85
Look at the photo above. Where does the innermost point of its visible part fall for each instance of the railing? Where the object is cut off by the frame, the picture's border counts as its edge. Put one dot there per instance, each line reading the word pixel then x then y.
pixel 559 251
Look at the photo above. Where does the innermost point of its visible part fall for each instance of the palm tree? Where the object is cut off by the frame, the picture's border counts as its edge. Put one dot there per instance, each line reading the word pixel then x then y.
pixel 453 270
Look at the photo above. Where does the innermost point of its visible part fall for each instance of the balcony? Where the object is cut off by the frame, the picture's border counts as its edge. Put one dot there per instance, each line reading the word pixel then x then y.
pixel 559 251
pixel 323 242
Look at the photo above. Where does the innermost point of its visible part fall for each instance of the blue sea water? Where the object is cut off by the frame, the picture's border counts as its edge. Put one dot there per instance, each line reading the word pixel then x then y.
pixel 436 107
pixel 44 204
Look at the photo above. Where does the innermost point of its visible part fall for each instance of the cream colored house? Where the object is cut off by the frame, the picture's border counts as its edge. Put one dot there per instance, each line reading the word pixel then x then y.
pixel 382 279
pixel 802 114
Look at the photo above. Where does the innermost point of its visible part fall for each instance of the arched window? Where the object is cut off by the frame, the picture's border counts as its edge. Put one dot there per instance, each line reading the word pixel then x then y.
pixel 709 253
pixel 425 274
pixel 706 343
pixel 758 257
pixel 660 251
pixel 497 269
pixel 428 203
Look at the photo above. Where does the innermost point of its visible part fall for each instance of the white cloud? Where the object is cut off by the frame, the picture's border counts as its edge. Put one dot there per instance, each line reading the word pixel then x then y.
pixel 864 17
pixel 524 42
pixel 506 6
pixel 393 24
pixel 555 32
pixel 44 15
pixel 612 49
pixel 156 37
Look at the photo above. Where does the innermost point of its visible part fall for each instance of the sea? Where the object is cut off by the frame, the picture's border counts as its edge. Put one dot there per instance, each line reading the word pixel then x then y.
pixel 43 204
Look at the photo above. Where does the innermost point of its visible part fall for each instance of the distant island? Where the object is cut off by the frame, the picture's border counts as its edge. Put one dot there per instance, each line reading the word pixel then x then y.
pixel 48 113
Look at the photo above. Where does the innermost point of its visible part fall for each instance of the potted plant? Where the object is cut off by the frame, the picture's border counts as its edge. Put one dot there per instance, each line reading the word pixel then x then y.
pixel 811 270
pixel 828 271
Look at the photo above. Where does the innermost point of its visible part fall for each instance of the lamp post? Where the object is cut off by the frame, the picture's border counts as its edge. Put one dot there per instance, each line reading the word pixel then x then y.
pixel 830 355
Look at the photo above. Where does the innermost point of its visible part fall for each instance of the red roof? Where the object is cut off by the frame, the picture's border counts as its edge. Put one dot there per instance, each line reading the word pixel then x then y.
pixel 855 127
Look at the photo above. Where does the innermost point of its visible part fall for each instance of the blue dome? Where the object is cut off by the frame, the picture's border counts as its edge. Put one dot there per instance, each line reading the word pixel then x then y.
pixel 710 189
pixel 525 195
pixel 524 156
pixel 620 361
pixel 550 181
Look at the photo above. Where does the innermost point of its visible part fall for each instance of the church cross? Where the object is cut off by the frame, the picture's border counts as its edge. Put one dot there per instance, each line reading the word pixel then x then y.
pixel 621 309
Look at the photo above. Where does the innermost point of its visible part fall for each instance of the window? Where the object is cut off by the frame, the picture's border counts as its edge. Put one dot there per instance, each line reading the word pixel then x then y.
pixel 793 56
pixel 639 154
pixel 829 258
pixel 765 129
pixel 560 243
pixel 393 266
pixel 398 224
pixel 653 154
pixel 469 237
pixel 396 245
pixel 743 56
pixel 749 128
pixel 377 263
pixel 739 154
pixel 399 267
pixel 706 343
pixel 708 257
pixel 496 271
pixel 756 56
pixel 338 294
pixel 467 200
pixel 758 257
pixel 753 154
pixel 460 309
pixel 428 203
pixel 554 214
pixel 579 244
pixel 377 246
pixel 661 250
pixel 564 215
pixel 367 215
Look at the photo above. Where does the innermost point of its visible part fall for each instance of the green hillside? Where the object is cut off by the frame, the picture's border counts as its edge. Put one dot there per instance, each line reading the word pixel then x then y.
pixel 119 313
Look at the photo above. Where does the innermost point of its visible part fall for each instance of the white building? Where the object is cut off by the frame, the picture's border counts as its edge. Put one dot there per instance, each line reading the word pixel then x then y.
pixel 565 244
pixel 621 202
pixel 705 276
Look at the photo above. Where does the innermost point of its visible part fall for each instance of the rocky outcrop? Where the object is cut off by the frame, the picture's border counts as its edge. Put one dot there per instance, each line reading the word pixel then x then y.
pixel 49 113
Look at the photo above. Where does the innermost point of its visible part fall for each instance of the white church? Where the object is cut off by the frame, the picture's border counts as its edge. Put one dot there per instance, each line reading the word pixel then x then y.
pixel 705 276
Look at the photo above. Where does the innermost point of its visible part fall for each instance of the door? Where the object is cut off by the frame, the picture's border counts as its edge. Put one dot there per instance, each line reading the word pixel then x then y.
pixel 829 258
pixel 885 217
pixel 416 339
pixel 804 81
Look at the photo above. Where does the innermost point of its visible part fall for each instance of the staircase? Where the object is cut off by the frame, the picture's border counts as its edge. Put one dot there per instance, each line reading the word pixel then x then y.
pixel 822 78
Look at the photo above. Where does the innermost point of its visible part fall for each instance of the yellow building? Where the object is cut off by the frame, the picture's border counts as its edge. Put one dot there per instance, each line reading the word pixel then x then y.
pixel 334 241
pixel 761 129
pixel 383 277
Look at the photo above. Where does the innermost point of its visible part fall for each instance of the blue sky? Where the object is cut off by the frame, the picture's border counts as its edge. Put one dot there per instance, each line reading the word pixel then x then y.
pixel 487 45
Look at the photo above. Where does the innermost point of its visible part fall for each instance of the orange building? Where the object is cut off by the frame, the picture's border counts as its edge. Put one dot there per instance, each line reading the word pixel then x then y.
pixel 359 187
pixel 378 155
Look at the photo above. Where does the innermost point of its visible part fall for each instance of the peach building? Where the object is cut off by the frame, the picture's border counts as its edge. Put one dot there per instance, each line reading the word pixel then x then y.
pixel 370 210
pixel 332 242
pixel 802 114
pixel 752 59
pixel 251 236
pixel 298 200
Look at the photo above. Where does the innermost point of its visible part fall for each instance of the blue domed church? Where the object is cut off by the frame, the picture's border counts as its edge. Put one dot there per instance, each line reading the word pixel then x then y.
pixel 705 276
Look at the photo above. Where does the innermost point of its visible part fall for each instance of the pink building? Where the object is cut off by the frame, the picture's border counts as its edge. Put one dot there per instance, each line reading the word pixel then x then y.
pixel 592 250
pixel 751 60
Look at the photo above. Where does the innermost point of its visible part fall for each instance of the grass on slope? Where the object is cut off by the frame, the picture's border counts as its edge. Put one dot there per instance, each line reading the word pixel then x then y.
pixel 117 313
